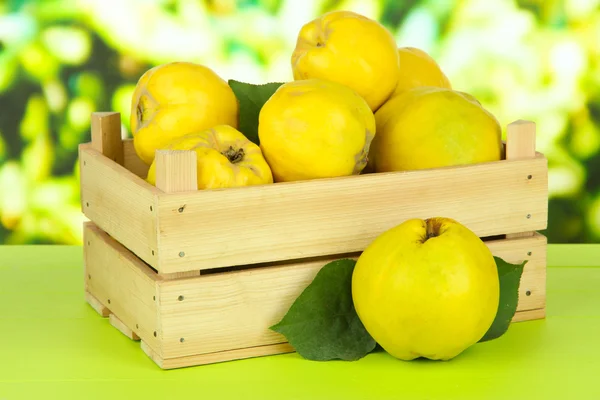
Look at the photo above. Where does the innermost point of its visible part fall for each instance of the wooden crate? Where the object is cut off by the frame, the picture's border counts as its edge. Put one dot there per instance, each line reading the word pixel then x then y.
pixel 159 259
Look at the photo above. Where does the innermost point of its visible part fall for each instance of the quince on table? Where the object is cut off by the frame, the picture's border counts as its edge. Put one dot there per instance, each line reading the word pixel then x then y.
pixel 426 288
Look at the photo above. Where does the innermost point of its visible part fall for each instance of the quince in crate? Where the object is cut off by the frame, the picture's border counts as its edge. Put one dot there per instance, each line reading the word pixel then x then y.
pixel 315 128
pixel 417 68
pixel 225 158
pixel 351 49
pixel 433 127
pixel 177 98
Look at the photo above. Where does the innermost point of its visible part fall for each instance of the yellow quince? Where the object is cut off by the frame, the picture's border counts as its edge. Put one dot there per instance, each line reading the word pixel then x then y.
pixel 173 99
pixel 225 158
pixel 351 49
pixel 431 127
pixel 426 288
pixel 315 128
pixel 417 68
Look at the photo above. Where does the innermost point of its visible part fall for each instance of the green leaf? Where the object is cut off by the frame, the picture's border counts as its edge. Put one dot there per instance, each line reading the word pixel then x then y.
pixel 322 323
pixel 251 98
pixel 510 279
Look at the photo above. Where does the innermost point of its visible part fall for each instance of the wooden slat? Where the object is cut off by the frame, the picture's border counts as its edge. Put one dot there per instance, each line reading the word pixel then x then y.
pixel 131 160
pixel 119 279
pixel 320 217
pixel 122 327
pixel 234 310
pixel 96 304
pixel 520 145
pixel 520 140
pixel 120 203
pixel 106 135
pixel 529 315
pixel 532 291
pixel 201 359
pixel 176 172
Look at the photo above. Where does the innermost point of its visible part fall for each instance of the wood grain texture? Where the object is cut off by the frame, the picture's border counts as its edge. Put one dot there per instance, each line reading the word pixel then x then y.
pixel 520 144
pixel 320 217
pixel 176 171
pixel 122 327
pixel 116 277
pixel 222 356
pixel 532 290
pixel 234 310
pixel 131 160
pixel 120 203
pixel 96 304
pixel 106 135
pixel 520 140
pixel 529 315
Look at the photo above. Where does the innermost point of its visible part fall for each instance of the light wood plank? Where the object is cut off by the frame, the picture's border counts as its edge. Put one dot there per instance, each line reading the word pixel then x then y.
pixel 222 356
pixel 520 140
pixel 106 135
pixel 131 160
pixel 120 203
pixel 219 312
pixel 532 290
pixel 284 221
pixel 96 305
pixel 176 171
pixel 520 144
pixel 529 315
pixel 121 327
pixel 119 279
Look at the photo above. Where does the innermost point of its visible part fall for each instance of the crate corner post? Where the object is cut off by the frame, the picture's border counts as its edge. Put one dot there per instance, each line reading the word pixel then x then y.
pixel 176 171
pixel 106 135
pixel 521 145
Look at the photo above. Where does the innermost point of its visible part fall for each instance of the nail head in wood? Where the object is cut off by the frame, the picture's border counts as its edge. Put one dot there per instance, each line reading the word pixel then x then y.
pixel 176 170
pixel 180 298
pixel 181 254
pixel 528 293
pixel 106 135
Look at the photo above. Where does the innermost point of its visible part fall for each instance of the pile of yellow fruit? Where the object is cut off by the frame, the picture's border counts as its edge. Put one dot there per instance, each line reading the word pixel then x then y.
pixel 357 104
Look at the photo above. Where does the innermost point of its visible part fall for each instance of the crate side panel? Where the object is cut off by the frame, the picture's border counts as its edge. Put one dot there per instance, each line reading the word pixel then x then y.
pixel 227 311
pixel 333 216
pixel 532 290
pixel 230 310
pixel 131 160
pixel 122 282
pixel 119 203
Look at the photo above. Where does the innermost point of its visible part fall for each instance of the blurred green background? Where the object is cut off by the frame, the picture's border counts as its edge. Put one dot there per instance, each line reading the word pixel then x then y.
pixel 60 60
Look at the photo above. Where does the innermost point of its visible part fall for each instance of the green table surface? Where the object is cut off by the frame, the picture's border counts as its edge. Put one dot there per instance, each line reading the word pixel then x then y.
pixel 53 345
